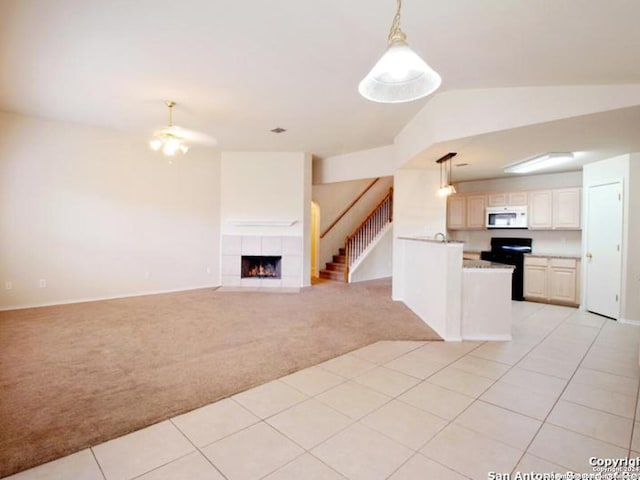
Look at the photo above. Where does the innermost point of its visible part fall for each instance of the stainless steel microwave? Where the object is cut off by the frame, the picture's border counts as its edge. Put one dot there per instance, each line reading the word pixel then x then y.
pixel 507 217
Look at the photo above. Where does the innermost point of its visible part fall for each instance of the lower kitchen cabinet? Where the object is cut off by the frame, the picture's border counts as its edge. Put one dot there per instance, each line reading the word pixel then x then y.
pixel 552 280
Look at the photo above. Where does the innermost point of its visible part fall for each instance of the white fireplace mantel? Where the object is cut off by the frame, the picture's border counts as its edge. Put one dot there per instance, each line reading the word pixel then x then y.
pixel 261 223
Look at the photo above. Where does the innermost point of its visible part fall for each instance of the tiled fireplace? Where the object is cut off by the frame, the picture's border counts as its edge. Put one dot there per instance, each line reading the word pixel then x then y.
pixel 261 261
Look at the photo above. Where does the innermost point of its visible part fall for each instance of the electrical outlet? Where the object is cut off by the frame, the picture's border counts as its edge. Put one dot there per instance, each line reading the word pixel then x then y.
pixel 8 285
pixel 42 283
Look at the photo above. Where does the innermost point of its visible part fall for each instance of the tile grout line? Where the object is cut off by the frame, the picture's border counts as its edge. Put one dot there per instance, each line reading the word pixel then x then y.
pixel 544 421
pixel 97 463
pixel 633 424
pixel 197 450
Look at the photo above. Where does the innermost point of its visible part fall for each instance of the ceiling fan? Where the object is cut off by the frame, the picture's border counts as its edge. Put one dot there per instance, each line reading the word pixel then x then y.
pixel 172 139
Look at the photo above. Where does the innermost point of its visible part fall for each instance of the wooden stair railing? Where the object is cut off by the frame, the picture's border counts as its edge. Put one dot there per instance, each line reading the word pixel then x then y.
pixel 349 207
pixel 370 227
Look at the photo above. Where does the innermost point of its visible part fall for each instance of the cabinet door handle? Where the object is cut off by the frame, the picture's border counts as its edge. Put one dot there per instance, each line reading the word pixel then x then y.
pixel 589 255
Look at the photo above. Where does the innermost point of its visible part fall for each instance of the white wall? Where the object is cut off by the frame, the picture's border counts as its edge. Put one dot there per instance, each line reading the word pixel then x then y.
pixel 562 242
pixel 522 183
pixel 611 170
pixel 94 213
pixel 464 113
pixel 268 187
pixel 333 198
pixel 375 162
pixel 377 260
pixel 417 210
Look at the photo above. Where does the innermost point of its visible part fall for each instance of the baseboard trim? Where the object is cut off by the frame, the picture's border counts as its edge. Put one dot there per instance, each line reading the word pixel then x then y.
pixel 629 321
pixel 97 299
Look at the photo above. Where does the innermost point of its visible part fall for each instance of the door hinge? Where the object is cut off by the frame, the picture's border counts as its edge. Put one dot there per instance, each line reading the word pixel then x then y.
pixel 616 297
pixel 619 197
pixel 618 247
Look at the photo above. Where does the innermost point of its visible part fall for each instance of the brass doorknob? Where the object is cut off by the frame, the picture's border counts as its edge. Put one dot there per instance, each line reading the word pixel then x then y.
pixel 589 256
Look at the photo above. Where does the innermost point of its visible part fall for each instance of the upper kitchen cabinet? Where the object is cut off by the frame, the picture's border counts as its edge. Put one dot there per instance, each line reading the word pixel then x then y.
pixel 555 209
pixel 456 212
pixel 566 208
pixel 513 199
pixel 476 212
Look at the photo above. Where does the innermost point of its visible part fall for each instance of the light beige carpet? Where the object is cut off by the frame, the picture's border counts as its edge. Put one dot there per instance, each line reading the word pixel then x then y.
pixel 73 376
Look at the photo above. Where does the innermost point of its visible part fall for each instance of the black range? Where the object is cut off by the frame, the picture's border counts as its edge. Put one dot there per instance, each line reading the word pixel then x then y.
pixel 510 251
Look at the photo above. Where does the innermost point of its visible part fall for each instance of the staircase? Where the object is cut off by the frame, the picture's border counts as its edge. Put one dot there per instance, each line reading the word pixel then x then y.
pixel 335 270
pixel 359 240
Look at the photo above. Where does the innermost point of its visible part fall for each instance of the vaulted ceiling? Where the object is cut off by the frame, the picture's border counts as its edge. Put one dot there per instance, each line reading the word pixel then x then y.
pixel 238 69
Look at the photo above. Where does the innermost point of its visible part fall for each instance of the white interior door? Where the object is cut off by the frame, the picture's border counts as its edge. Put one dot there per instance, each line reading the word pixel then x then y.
pixel 603 262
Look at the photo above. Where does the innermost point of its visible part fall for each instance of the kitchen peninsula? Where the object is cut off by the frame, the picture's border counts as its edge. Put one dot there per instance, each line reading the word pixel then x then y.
pixel 460 299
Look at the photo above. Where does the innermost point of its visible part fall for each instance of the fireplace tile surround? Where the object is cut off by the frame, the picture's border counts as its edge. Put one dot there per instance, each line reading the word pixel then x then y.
pixel 288 247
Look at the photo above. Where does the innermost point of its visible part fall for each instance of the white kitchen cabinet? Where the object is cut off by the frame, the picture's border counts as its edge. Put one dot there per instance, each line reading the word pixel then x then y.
pixel 476 212
pixel 535 278
pixel 512 199
pixel 552 280
pixel 540 212
pixel 555 209
pixel 456 212
pixel 566 208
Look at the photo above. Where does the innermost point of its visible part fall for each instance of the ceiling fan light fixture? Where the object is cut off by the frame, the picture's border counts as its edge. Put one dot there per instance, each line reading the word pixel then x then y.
pixel 400 75
pixel 168 143
pixel 540 162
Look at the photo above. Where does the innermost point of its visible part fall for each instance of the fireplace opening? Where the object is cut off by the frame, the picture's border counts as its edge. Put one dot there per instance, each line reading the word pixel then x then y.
pixel 260 266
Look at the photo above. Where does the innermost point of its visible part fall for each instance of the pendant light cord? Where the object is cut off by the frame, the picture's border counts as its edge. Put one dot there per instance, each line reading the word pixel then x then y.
pixel 395 33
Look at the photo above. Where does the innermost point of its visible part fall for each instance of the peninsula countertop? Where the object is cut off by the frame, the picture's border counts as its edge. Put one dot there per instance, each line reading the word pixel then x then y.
pixel 466 263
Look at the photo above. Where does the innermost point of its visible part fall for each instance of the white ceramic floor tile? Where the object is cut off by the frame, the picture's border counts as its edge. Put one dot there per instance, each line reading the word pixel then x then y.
pixel 270 398
pixel 353 400
pixel 592 423
pixel 446 352
pixel 548 366
pixel 616 362
pixel 531 464
pixel 141 451
pixel 420 467
pixel 192 467
pixel 461 382
pixel 385 351
pixel 387 381
pixel 519 399
pixel 570 449
pixel 405 424
pixel 252 453
pixel 576 333
pixel 585 318
pixel 359 453
pixel 534 381
pixel 416 364
pixel 78 466
pixel 503 352
pixel 500 424
pixel 471 453
pixel 600 399
pixel 437 400
pixel 309 423
pixel 312 381
pixel 615 383
pixel 347 366
pixel 305 467
pixel 481 366
pixel 213 422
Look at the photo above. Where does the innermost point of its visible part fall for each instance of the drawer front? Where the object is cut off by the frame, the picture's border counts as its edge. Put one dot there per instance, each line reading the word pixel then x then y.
pixel 537 261
pixel 563 262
